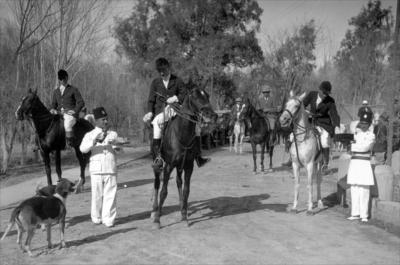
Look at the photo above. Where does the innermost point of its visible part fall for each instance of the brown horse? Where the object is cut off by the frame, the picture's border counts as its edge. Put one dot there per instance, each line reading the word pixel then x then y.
pixel 50 134
pixel 304 150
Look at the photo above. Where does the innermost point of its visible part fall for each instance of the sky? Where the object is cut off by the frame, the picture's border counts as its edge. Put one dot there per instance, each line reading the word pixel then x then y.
pixel 331 18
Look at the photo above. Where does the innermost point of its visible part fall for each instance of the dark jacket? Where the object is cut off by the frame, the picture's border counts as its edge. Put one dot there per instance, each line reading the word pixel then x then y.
pixel 71 99
pixel 156 103
pixel 327 116
pixel 362 110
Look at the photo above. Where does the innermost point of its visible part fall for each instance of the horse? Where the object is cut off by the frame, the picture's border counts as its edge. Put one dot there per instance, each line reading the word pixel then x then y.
pixel 177 150
pixel 260 134
pixel 237 132
pixel 304 150
pixel 50 134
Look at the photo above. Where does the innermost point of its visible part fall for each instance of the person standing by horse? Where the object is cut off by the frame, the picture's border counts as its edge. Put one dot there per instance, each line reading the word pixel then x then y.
pixel 166 90
pixel 68 101
pixel 324 116
pixel 103 169
pixel 269 108
pixel 364 108
pixel 360 175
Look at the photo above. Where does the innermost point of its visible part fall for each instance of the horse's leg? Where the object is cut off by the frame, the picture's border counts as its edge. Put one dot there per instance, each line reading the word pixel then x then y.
pixel 296 173
pixel 319 181
pixel 82 165
pixel 310 172
pixel 179 185
pixel 58 164
pixel 262 155
pixel 186 190
pixel 236 141
pixel 271 153
pixel 154 213
pixel 230 142
pixel 254 148
pixel 46 159
pixel 241 141
pixel 164 190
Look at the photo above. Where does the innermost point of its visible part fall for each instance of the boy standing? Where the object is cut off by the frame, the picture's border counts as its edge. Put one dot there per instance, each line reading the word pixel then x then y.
pixel 102 168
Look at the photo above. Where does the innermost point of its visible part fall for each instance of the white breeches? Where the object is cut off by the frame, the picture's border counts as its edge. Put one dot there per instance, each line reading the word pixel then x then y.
pixel 159 121
pixel 69 122
pixel 359 200
pixel 104 203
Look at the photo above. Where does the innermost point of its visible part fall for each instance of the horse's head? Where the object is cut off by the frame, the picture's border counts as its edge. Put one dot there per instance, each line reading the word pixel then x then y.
pixel 27 104
pixel 292 109
pixel 199 103
pixel 247 110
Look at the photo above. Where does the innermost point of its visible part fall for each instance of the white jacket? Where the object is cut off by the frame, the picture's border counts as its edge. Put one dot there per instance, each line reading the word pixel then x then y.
pixel 102 159
pixel 360 170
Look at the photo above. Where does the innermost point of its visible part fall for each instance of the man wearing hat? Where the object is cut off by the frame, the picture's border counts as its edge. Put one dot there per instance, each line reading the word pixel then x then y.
pixel 166 90
pixel 360 175
pixel 102 168
pixel 269 108
pixel 324 115
pixel 68 101
pixel 364 108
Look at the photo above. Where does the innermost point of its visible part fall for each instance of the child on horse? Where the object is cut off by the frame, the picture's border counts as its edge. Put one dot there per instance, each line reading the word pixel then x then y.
pixel 68 101
pixel 166 89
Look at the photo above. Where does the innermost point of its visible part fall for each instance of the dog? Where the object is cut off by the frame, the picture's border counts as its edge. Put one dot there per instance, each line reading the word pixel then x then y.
pixel 40 210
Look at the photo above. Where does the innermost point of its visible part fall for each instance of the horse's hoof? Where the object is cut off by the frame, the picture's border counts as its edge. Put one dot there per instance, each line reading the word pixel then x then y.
pixel 293 211
pixel 157 225
pixel 310 213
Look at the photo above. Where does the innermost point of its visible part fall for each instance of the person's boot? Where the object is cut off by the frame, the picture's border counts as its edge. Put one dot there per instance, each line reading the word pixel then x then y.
pixel 157 160
pixel 70 139
pixel 197 151
pixel 325 154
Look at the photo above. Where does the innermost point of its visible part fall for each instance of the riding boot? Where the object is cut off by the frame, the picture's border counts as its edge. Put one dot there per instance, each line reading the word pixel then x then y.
pixel 157 160
pixel 70 139
pixel 197 153
pixel 325 154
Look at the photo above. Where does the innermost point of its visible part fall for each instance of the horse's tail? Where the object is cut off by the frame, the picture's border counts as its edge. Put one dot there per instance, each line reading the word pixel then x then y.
pixel 13 219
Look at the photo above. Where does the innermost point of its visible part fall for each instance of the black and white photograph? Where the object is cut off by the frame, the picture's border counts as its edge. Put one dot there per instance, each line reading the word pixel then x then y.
pixel 204 132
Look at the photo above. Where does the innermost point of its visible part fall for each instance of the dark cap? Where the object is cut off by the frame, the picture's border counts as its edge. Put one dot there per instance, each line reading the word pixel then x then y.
pixel 325 87
pixel 62 74
pixel 162 64
pixel 99 113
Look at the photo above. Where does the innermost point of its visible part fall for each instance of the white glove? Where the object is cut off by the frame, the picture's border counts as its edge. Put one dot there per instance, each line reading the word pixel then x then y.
pixel 337 130
pixel 53 111
pixel 147 117
pixel 172 99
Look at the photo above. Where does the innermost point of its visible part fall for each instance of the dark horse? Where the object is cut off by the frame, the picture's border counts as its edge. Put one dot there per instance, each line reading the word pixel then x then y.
pixel 260 133
pixel 50 134
pixel 177 150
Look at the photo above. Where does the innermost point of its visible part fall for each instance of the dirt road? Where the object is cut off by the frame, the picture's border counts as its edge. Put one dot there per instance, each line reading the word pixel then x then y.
pixel 235 218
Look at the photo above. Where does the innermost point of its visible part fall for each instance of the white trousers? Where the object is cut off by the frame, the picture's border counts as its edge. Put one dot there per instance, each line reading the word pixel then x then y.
pixel 325 137
pixel 104 203
pixel 69 122
pixel 159 121
pixel 359 200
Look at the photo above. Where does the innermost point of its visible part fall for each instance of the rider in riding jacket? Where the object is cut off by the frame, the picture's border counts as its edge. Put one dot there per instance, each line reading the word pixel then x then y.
pixel 269 108
pixel 68 101
pixel 324 115
pixel 166 90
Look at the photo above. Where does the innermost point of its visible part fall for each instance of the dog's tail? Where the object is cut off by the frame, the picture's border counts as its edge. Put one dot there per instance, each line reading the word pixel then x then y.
pixel 13 219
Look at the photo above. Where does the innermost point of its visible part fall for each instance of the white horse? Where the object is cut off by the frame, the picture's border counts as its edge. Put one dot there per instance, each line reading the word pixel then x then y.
pixel 238 132
pixel 304 150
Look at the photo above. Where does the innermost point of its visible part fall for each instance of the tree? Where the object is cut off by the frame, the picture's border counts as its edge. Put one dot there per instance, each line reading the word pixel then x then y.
pixel 290 62
pixel 207 35
pixel 362 57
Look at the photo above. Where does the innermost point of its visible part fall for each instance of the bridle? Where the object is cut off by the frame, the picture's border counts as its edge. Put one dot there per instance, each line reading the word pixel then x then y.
pixel 293 122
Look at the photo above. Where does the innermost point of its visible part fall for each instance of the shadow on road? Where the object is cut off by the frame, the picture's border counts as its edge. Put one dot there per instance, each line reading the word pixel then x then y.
pixel 225 206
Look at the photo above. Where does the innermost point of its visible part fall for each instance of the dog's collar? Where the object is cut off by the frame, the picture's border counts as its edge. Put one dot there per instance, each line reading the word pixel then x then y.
pixel 58 196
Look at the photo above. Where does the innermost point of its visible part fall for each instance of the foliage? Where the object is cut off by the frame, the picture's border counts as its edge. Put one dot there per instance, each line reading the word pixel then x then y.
pixel 362 57
pixel 205 35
